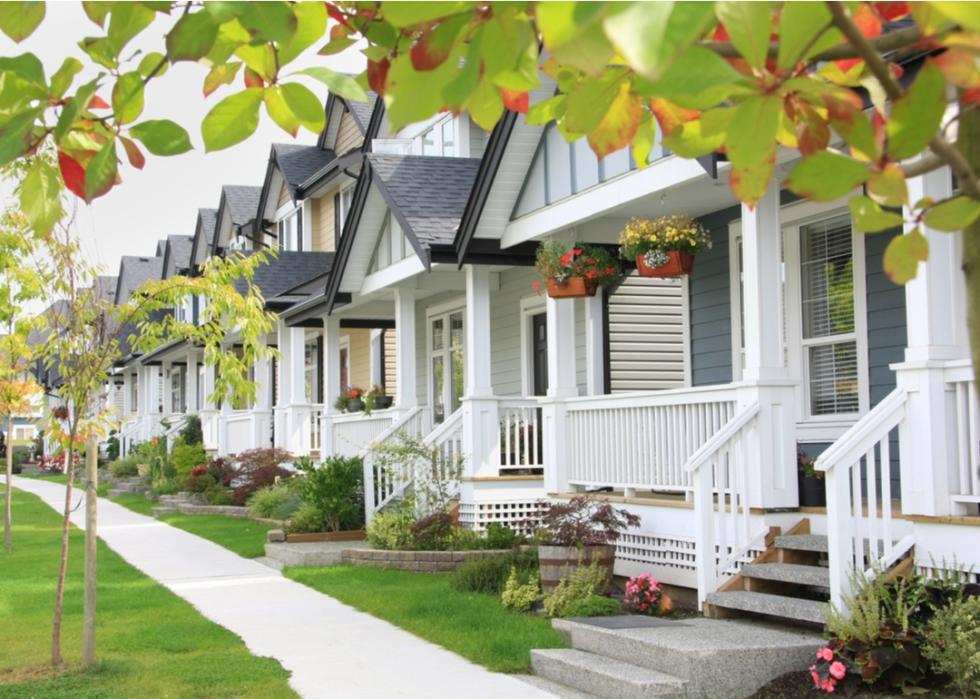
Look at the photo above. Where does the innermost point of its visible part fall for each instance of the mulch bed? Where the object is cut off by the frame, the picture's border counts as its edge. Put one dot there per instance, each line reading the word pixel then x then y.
pixel 799 684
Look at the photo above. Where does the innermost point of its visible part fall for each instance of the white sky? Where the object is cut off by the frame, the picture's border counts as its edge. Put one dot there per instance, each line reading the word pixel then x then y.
pixel 164 197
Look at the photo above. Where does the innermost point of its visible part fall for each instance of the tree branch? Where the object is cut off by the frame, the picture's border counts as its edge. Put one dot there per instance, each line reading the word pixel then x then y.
pixel 892 41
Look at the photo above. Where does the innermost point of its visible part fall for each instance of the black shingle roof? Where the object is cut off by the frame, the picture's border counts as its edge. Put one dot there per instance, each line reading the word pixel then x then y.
pixel 207 218
pixel 361 111
pixel 298 163
pixel 427 194
pixel 133 271
pixel 178 254
pixel 288 270
pixel 242 202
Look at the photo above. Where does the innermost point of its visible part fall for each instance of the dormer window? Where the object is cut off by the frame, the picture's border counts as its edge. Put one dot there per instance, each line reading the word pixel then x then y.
pixel 440 139
pixel 290 230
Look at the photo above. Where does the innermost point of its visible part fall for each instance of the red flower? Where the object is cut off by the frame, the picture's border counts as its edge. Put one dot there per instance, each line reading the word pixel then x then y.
pixel 536 285
pixel 610 271
pixel 355 393
pixel 566 258
pixel 591 274
pixel 576 251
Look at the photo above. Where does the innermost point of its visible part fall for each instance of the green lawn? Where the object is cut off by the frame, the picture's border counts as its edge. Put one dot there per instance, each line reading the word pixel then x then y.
pixel 474 625
pixel 243 536
pixel 151 643
pixel 61 478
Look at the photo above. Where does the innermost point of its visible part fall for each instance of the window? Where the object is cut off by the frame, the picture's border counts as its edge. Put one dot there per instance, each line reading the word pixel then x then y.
pixel 446 363
pixel 440 139
pixel 448 130
pixel 177 390
pixel 291 231
pixel 311 372
pixel 342 204
pixel 827 303
pixel 392 246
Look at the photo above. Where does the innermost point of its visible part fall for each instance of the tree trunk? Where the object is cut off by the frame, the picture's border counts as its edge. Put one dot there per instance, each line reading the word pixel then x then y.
pixel 968 141
pixel 7 532
pixel 91 551
pixel 63 566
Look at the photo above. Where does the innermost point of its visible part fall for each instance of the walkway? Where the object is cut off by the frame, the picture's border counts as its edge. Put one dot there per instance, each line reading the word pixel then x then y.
pixel 331 649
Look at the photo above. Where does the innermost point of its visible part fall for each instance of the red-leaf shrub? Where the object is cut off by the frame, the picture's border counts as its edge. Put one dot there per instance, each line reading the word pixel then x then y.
pixel 433 533
pixel 257 468
pixel 584 521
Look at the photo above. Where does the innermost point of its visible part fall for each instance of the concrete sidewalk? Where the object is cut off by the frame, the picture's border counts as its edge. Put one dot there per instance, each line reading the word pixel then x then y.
pixel 332 650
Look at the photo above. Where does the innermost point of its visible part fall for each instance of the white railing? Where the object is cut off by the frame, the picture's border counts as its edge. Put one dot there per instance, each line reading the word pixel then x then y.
pixel 520 434
pixel 353 432
pixel 643 440
pixel 381 485
pixel 962 384
pixel 129 434
pixel 447 442
pixel 720 473
pixel 860 532
pixel 316 426
pixel 238 428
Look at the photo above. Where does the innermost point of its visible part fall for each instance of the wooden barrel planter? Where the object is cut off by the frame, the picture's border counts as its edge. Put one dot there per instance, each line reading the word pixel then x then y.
pixel 559 562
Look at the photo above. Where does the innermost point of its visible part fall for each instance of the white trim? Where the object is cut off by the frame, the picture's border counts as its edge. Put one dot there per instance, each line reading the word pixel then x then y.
pixel 392 274
pixel 344 344
pixel 307 232
pixel 442 310
pixel 685 329
pixel 285 211
pixel 530 306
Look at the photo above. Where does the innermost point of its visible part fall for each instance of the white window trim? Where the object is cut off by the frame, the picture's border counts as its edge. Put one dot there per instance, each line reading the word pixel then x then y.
pixel 344 344
pixel 441 310
pixel 530 307
pixel 792 217
pixel 285 211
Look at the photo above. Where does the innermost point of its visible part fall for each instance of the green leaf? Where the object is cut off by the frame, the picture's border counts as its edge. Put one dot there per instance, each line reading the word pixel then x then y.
pixel 96 11
pixel 71 110
pixel 415 96
pixel 916 115
pixel 100 51
pixel 63 77
pixel 192 37
pixel 799 23
pixel 546 111
pixel 261 59
pixel 100 173
pixel 18 20
pixel 749 25
pixel 903 255
pixel 15 134
pixel 222 74
pixel 161 137
pixel 232 120
pixel 311 20
pixel 510 52
pixel 698 79
pixel 459 90
pixel 268 21
pixel 338 83
pixel 306 106
pixel 563 22
pixel 335 46
pixel 825 176
pixel 701 136
pixel 650 34
pixel 150 62
pixel 644 140
pixel 751 146
pixel 619 124
pixel 868 217
pixel 887 187
pixel 404 14
pixel 952 214
pixel 486 105
pixel 433 46
pixel 279 111
pixel 127 97
pixel 126 20
pixel 40 196
pixel 27 66
pixel 588 103
pixel 960 13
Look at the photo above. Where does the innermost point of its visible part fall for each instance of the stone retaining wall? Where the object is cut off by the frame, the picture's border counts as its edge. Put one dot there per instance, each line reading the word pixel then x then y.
pixel 424 561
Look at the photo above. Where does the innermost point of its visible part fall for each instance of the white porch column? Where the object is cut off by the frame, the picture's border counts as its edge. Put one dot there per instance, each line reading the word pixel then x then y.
pixel 765 375
pixel 935 306
pixel 595 348
pixel 331 381
pixel 405 356
pixel 481 441
pixel 127 395
pixel 192 390
pixel 167 397
pixel 209 415
pixel 281 409
pixel 561 384
pixel 298 430
pixel 152 400
pixel 262 408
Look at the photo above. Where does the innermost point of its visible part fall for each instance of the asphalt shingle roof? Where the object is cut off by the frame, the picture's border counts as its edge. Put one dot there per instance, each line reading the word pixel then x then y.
pixel 179 247
pixel 207 218
pixel 288 270
pixel 133 271
pixel 298 163
pixel 361 111
pixel 242 202
pixel 427 193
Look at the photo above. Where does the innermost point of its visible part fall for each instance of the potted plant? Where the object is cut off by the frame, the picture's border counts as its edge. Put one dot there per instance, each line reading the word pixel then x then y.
pixel 382 401
pixel 664 246
pixel 355 399
pixel 576 271
pixel 813 491
pixel 576 533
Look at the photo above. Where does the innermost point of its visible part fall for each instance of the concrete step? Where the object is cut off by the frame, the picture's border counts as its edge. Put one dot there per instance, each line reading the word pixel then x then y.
pixel 116 492
pixel 163 511
pixel 270 562
pixel 602 676
pixel 710 654
pixel 555 689
pixel 803 542
pixel 310 554
pixel 771 605
pixel 794 573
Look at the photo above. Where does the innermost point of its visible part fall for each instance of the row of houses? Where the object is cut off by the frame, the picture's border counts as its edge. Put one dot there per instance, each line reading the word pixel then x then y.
pixel 406 263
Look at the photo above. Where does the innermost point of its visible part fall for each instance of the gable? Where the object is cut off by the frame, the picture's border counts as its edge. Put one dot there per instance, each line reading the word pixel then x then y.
pixel 349 136
pixel 284 196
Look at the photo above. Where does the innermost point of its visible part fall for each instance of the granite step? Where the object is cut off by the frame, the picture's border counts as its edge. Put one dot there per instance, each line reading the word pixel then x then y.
pixel 270 562
pixel 802 542
pixel 116 492
pixel 603 676
pixel 710 654
pixel 561 691
pixel 308 554
pixel 771 605
pixel 817 576
pixel 163 511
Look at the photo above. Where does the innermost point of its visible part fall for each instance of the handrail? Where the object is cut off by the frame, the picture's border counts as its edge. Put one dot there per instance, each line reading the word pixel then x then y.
pixel 721 438
pixel 448 425
pixel 864 433
pixel 667 396
pixel 393 429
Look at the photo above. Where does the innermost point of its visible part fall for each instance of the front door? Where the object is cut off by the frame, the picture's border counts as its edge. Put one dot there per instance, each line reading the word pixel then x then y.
pixel 539 354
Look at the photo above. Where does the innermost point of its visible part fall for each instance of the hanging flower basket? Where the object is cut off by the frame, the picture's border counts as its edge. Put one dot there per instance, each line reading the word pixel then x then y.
pixel 571 288
pixel 665 246
pixel 678 263
pixel 574 272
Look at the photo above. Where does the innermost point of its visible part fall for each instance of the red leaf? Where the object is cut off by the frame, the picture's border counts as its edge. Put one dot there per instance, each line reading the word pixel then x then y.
pixel 870 25
pixel 133 152
pixel 892 10
pixel 98 103
pixel 971 96
pixel 337 14
pixel 72 173
pixel 721 34
pixel 515 101
pixel 812 132
pixel 669 115
pixel 338 31
pixel 878 124
pixel 253 79
pixel 377 75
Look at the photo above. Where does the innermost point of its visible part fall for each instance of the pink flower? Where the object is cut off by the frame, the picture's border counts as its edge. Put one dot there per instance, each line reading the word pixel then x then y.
pixel 825 654
pixel 815 676
pixel 838 670
pixel 828 685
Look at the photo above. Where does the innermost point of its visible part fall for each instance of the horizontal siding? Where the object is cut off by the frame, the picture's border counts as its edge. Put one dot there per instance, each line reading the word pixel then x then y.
pixel 390 348
pixel 323 224
pixel 284 197
pixel 348 135
pixel 360 357
pixel 887 331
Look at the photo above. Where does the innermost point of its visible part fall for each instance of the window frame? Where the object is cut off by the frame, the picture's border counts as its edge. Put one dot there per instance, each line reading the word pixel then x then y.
pixel 285 213
pixel 443 311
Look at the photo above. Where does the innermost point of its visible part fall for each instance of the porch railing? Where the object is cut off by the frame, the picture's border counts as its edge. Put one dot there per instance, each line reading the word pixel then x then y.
pixel 860 535
pixel 238 428
pixel 352 433
pixel 643 440
pixel 316 425
pixel 381 486
pixel 521 438
pixel 720 472
pixel 961 382
pixel 129 434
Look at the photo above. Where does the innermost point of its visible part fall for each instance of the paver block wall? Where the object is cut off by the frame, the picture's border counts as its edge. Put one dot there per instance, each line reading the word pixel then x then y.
pixel 424 561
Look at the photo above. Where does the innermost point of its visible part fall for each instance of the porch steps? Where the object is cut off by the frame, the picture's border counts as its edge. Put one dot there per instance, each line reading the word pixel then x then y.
pixel 815 576
pixel 631 657
pixel 802 542
pixel 794 608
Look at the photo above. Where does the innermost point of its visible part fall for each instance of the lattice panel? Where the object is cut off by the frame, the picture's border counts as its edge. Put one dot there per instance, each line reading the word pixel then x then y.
pixel 519 515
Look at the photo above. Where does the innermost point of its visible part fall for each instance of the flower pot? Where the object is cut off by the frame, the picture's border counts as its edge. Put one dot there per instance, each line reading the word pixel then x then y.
pixel 559 562
pixel 382 402
pixel 680 263
pixel 813 491
pixel 571 288
pixel 355 405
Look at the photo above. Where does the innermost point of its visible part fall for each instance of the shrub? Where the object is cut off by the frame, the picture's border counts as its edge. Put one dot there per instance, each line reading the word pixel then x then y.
pixel 593 605
pixel 216 495
pixel 952 644
pixel 433 532
pixel 258 468
pixel 186 456
pixel 192 433
pixel 276 502
pixel 307 519
pixel 584 521
pixel 336 490
pixel 500 536
pixel 490 574
pixel 520 596
pixel 125 467
pixel 153 455
pixel 165 487
pixel 112 446
pixel 584 582
pixel 199 480
pixel 391 530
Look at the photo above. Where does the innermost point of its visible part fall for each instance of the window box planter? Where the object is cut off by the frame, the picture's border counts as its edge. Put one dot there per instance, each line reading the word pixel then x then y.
pixel 679 264
pixel 355 405
pixel 382 402
pixel 572 288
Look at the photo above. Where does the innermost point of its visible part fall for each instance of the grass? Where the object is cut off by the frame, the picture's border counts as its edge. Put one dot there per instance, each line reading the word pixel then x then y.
pixel 102 489
pixel 474 625
pixel 151 642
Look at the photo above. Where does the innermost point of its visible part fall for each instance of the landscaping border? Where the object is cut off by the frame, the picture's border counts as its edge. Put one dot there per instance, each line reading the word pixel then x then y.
pixel 422 561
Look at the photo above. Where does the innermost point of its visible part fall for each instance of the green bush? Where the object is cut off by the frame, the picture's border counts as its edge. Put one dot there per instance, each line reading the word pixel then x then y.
pixel 952 644
pixel 307 519
pixel 216 495
pixel 336 490
pixel 585 582
pixel 186 456
pixel 275 502
pixel 435 532
pixel 124 467
pixel 490 574
pixel 192 433
pixel 520 595
pixel 500 536
pixel 165 487
pixel 391 530
pixel 593 605
pixel 112 446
